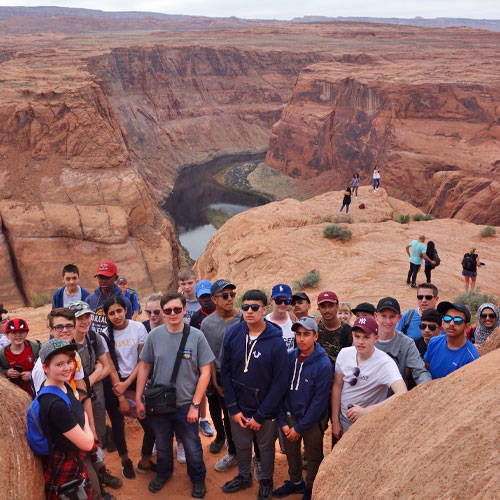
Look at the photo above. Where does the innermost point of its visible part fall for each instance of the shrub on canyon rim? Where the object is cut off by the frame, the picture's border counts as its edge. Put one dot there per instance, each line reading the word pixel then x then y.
pixel 309 280
pixel 402 218
pixel 487 232
pixel 418 217
pixel 336 232
pixel 473 299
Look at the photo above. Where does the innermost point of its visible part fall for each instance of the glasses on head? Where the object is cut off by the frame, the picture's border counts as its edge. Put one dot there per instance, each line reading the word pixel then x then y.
pixel 488 315
pixel 226 295
pixel 283 301
pixel 431 327
pixel 61 328
pixel 456 319
pixel 253 307
pixel 155 312
pixel 355 375
pixel 169 310
pixel 427 297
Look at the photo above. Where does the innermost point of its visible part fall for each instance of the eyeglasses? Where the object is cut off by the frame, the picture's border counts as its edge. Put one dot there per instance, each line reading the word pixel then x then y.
pixel 457 319
pixel 155 312
pixel 226 295
pixel 423 326
pixel 427 297
pixel 488 315
pixel 61 328
pixel 253 307
pixel 355 374
pixel 176 310
pixel 283 301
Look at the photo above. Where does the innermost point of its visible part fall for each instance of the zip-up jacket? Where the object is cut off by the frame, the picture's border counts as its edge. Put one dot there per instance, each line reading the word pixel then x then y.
pixel 4 363
pixel 254 374
pixel 308 393
pixel 58 297
pixel 97 299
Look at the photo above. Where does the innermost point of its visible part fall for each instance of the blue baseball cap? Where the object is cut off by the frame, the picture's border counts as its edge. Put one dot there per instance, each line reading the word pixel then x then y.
pixel 219 285
pixel 281 290
pixel 203 287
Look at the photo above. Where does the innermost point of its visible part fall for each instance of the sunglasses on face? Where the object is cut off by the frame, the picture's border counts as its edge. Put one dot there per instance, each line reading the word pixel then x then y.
pixel 423 326
pixel 355 374
pixel 488 315
pixel 283 301
pixel 457 319
pixel 427 297
pixel 253 307
pixel 226 295
pixel 169 310
pixel 155 312
pixel 61 328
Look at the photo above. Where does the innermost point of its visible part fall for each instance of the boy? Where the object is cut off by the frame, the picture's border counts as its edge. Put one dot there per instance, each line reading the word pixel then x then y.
pixel 71 290
pixel 18 359
pixel 363 375
pixel 254 370
pixel 187 282
pixel 281 298
pixel 431 324
pixel 301 304
pixel 447 353
pixel 304 412
pixel 131 295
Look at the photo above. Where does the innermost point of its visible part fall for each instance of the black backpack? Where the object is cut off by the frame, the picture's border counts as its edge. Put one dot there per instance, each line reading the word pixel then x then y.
pixel 469 263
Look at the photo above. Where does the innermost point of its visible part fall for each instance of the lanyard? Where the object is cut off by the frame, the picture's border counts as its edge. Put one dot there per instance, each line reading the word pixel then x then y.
pixel 248 355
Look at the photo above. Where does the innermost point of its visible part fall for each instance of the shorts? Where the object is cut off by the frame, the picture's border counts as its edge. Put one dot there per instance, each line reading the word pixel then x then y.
pixel 470 274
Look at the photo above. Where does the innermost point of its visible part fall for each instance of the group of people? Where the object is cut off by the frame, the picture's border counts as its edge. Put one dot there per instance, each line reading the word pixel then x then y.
pixel 352 189
pixel 266 376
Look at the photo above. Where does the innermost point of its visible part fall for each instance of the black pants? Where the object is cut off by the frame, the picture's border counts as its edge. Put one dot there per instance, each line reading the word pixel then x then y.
pixel 217 407
pixel 412 273
pixel 427 271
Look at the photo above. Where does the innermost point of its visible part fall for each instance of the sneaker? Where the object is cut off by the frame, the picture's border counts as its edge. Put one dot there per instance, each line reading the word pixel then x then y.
pixel 181 455
pixel 107 496
pixel 128 469
pixel 289 488
pixel 107 479
pixel 157 484
pixel 307 494
pixel 216 445
pixel 265 489
pixel 257 469
pixel 206 429
pixel 237 483
pixel 198 490
pixel 225 463
pixel 150 468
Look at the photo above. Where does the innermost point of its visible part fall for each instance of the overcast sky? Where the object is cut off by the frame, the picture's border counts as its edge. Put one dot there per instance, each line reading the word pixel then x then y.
pixel 287 9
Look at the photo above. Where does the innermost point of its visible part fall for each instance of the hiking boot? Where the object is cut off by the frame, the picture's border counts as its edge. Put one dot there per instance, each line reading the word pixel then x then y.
pixel 206 429
pixel 181 454
pixel 307 494
pixel 107 479
pixel 128 469
pixel 198 490
pixel 289 488
pixel 150 468
pixel 225 463
pixel 216 445
pixel 237 483
pixel 257 469
pixel 265 490
pixel 156 484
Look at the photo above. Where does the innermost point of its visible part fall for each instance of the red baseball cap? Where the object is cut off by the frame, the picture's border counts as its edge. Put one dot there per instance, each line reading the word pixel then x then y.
pixel 328 297
pixel 367 324
pixel 107 268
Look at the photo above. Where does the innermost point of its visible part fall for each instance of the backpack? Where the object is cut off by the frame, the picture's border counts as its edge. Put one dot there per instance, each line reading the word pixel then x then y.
pixel 38 441
pixel 408 321
pixel 132 292
pixel 468 263
pixel 436 259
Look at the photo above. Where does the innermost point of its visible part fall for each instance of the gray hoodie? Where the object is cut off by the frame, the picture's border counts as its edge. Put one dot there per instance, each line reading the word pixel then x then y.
pixel 404 352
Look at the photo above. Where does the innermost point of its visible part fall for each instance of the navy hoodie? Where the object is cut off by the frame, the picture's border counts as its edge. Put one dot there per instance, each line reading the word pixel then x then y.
pixel 58 297
pixel 309 389
pixel 257 392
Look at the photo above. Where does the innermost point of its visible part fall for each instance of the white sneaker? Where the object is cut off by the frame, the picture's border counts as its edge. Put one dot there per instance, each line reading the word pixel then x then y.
pixel 225 463
pixel 181 455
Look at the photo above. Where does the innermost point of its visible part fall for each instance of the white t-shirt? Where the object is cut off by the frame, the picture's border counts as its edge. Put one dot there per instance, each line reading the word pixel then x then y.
pixel 67 299
pixel 38 375
pixel 376 375
pixel 4 341
pixel 127 343
pixel 286 328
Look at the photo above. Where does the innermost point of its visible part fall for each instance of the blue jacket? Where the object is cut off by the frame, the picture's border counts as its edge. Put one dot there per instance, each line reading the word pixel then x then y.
pixel 258 391
pixel 97 299
pixel 58 297
pixel 308 394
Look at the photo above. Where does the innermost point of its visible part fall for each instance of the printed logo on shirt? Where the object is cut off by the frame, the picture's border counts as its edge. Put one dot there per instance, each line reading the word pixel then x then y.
pixel 188 353
pixel 257 354
pixel 98 321
pixel 125 343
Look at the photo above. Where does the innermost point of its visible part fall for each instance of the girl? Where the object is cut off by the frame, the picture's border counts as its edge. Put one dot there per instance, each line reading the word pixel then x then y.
pixel 469 269
pixel 69 428
pixel 355 184
pixel 125 339
pixel 344 313
pixel 431 253
pixel 347 200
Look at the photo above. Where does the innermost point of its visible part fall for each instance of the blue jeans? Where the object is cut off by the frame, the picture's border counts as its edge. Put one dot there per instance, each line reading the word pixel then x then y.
pixel 346 205
pixel 164 427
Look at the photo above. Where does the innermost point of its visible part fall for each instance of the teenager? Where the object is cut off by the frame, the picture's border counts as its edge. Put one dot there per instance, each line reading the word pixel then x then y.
pixel 304 412
pixel 159 354
pixel 447 353
pixel 254 369
pixel 18 358
pixel 363 376
pixel 301 305
pixel 71 290
pixel 131 296
pixel 68 428
pixel 281 298
pixel 431 325
pixel 344 313
pixel 187 283
pixel 364 310
pixel 153 312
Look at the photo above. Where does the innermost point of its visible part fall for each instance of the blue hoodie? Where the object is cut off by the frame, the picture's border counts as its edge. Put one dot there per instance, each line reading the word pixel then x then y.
pixel 58 297
pixel 309 390
pixel 257 392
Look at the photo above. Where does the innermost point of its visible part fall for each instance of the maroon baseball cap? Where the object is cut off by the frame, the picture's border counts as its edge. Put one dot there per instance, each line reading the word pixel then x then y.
pixel 107 268
pixel 328 297
pixel 367 324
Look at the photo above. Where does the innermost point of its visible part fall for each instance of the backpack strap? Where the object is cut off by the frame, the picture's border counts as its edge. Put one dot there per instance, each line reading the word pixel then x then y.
pixel 180 352
pixel 408 321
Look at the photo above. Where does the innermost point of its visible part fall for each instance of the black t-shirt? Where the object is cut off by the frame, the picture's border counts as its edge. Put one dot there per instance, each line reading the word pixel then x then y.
pixel 198 317
pixel 421 346
pixel 56 419
pixel 347 198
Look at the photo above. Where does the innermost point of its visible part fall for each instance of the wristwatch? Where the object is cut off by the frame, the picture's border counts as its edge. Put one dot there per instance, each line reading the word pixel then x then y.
pixel 195 405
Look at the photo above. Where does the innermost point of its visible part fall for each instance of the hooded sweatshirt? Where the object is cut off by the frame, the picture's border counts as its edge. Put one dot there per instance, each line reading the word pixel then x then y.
pixel 254 373
pixel 309 389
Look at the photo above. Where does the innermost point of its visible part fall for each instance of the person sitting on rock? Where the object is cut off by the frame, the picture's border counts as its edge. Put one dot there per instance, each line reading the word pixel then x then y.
pixel 71 291
pixel 301 304
pixel 488 320
pixel 364 310
pixel 447 353
pixel 363 376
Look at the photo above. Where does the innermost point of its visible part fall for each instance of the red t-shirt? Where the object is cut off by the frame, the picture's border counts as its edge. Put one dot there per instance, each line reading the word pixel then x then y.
pixel 26 360
pixel 302 357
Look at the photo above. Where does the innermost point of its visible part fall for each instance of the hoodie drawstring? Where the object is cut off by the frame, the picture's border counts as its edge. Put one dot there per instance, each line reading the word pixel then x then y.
pixel 298 376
